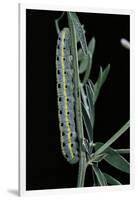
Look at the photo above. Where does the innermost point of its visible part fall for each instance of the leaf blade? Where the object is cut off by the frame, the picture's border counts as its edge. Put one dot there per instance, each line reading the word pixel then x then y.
pixel 90 104
pixel 103 74
pixel 79 31
pixel 91 46
pixel 86 60
pixel 113 138
pixel 99 175
pixel 84 64
pixel 111 180
pixel 87 123
pixel 115 159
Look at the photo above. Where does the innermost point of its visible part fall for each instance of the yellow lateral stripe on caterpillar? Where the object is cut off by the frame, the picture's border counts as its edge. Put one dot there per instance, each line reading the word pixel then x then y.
pixel 61 137
pixel 65 95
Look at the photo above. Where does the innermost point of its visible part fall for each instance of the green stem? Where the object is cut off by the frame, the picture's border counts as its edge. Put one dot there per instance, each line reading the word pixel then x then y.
pixel 82 170
pixel 82 161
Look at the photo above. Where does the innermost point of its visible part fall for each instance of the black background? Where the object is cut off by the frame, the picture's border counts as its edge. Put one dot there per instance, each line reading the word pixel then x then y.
pixel 45 166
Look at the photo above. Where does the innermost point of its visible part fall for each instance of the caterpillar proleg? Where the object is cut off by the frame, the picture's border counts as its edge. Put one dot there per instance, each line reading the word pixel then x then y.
pixel 65 93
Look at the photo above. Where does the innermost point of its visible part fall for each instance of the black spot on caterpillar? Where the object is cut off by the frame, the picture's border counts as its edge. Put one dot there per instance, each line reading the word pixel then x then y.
pixel 65 93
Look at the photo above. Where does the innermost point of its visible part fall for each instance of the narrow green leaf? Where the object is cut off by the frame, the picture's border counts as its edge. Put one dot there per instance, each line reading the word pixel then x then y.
pixel 97 85
pixel 105 73
pixel 123 151
pixel 88 70
pixel 87 123
pixel 91 46
pixel 111 180
pixel 79 31
pixel 94 178
pixel 100 81
pixel 91 87
pixel 113 139
pixel 80 54
pixel 84 63
pixel 114 158
pixel 90 103
pixel 100 176
pixel 86 60
pixel 98 158
pixel 84 98
pixel 81 35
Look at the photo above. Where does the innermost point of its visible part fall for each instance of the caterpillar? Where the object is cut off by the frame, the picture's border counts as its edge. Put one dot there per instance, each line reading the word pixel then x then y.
pixel 65 94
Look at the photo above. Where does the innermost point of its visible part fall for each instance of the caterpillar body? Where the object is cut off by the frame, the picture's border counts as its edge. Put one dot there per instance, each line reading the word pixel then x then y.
pixel 65 93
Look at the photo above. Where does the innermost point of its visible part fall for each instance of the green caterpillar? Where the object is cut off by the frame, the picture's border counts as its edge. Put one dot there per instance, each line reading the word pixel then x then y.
pixel 65 93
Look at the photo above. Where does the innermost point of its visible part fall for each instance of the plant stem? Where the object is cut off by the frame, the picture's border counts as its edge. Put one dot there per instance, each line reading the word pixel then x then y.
pixel 82 160
pixel 82 169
